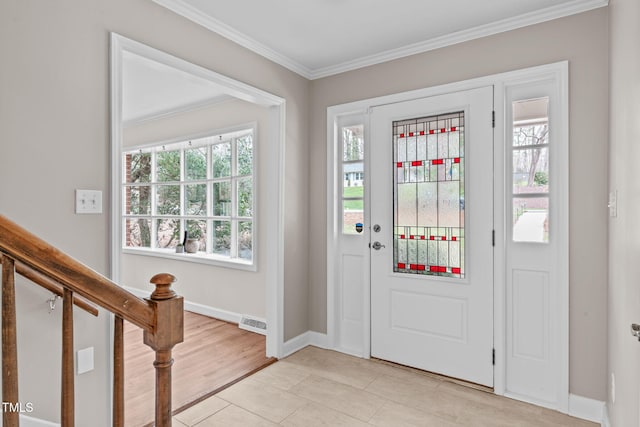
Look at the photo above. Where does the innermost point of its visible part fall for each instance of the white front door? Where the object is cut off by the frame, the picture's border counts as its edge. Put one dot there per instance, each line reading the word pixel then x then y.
pixel 432 225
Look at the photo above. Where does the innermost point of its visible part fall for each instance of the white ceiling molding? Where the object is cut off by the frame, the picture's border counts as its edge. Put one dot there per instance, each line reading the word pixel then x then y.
pixel 554 12
pixel 210 23
pixel 548 14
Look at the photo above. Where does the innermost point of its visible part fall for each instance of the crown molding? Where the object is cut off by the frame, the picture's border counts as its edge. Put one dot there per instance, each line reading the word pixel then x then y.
pixel 537 17
pixel 554 12
pixel 182 8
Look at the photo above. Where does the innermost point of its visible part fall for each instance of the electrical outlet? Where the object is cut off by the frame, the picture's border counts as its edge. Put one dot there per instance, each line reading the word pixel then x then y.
pixel 88 201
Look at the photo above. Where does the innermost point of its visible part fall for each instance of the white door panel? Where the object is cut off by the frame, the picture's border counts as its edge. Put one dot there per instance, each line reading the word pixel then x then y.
pixel 432 277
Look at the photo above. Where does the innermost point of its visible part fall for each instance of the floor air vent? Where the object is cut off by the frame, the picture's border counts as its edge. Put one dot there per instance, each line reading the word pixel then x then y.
pixel 253 324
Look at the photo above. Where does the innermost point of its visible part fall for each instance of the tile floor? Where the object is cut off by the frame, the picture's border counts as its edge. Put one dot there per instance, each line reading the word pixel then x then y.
pixel 316 387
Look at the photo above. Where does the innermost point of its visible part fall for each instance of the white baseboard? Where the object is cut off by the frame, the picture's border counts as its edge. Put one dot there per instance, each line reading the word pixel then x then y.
pixel 301 341
pixel 587 409
pixel 227 316
pixel 26 421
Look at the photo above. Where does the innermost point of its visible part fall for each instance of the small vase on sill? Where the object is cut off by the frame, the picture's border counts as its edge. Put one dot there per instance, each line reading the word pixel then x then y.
pixel 192 246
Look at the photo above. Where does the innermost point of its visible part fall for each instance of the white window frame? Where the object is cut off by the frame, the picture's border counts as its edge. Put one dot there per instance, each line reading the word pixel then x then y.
pixel 205 257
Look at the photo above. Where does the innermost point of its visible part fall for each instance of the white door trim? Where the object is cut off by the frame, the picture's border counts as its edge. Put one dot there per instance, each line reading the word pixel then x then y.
pixel 558 72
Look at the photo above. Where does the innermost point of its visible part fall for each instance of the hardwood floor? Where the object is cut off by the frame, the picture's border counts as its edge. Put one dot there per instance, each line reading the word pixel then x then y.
pixel 214 355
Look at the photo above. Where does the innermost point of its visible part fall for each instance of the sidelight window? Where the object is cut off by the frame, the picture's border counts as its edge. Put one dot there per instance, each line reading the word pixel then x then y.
pixel 530 172
pixel 353 182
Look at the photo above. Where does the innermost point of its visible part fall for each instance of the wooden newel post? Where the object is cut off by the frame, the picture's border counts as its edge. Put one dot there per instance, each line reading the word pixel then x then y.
pixel 169 331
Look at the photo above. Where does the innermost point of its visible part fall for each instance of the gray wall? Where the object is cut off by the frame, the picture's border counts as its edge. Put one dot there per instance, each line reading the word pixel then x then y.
pixel 54 138
pixel 624 237
pixel 581 39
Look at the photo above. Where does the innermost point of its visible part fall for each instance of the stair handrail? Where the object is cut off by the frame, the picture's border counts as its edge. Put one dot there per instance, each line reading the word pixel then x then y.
pixel 160 316
pixel 23 246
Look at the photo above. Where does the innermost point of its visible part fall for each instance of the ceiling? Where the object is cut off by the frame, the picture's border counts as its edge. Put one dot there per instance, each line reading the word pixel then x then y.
pixel 318 38
pixel 151 90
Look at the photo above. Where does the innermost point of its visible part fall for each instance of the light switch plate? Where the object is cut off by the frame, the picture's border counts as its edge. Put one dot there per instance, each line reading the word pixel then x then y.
pixel 85 360
pixel 88 201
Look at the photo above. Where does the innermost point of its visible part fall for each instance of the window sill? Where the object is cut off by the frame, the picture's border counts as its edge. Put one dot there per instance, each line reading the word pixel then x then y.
pixel 199 257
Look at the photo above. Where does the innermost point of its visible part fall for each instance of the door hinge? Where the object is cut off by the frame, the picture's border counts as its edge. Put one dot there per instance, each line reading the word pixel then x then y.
pixel 493 357
pixel 493 237
pixel 493 119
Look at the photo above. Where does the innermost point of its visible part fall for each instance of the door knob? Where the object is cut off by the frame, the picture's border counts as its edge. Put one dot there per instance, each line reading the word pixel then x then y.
pixel 377 246
pixel 635 330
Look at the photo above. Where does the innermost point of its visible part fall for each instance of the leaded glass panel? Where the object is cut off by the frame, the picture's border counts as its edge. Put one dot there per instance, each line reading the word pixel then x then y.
pixel 429 195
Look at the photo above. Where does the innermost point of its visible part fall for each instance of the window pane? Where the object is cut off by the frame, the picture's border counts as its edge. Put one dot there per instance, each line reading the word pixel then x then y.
pixel 531 219
pixel 137 200
pixel 195 199
pixel 353 143
pixel 245 242
pixel 168 200
pixel 222 238
pixel 196 163
pixel 197 229
pixel 168 233
pixel 532 134
pixel 221 160
pixel 530 174
pixel 222 198
pixel 138 167
pixel 353 179
pixel 531 170
pixel 352 213
pixel 245 155
pixel 429 195
pixel 138 233
pixel 168 166
pixel 245 198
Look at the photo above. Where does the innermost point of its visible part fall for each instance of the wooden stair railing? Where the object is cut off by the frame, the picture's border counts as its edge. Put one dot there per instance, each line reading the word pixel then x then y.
pixel 160 316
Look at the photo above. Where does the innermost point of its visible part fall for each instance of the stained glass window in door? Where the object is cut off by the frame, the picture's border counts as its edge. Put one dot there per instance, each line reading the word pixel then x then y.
pixel 429 195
